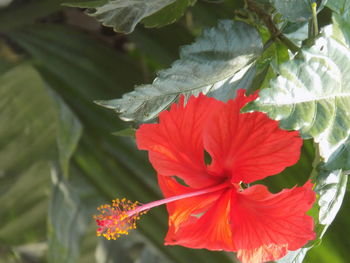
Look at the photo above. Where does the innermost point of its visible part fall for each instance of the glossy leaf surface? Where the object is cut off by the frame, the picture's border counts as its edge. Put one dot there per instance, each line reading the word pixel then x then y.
pixel 312 95
pixel 214 62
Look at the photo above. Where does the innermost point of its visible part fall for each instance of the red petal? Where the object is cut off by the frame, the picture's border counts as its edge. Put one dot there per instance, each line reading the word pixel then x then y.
pixel 265 226
pixel 189 227
pixel 182 211
pixel 175 145
pixel 248 146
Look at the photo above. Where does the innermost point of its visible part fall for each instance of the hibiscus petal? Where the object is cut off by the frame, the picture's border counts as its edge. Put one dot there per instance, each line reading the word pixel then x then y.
pixel 175 144
pixel 265 226
pixel 182 210
pixel 248 146
pixel 207 227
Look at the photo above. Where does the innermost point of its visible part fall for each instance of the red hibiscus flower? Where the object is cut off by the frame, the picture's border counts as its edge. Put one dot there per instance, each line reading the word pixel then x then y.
pixel 209 203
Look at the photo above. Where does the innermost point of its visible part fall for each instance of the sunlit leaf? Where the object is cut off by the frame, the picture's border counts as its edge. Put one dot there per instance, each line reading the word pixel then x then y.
pixel 331 188
pixel 296 256
pixel 213 62
pixel 339 6
pixel 122 15
pixel 342 27
pixel 312 95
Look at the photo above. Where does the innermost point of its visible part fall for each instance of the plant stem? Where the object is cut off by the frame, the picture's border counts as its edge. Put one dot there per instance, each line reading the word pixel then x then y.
pixel 314 23
pixel 274 31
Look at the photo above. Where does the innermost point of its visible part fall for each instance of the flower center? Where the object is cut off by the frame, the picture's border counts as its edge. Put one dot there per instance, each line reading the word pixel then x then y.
pixel 116 220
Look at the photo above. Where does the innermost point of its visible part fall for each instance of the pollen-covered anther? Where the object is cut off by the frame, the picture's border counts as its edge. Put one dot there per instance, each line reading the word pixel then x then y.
pixel 117 219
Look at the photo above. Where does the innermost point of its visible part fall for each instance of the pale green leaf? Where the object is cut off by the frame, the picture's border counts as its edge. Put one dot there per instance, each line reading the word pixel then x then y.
pixel 296 256
pixel 168 14
pixel 124 15
pixel 331 188
pixel 339 6
pixel 312 95
pixel 213 62
pixel 341 27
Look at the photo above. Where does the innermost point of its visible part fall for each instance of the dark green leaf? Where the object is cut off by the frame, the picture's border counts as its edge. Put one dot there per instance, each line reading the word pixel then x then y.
pixel 85 3
pixel 69 133
pixel 27 142
pixel 20 122
pixel 131 250
pixel 26 13
pixel 109 164
pixel 128 132
pixel 213 62
pixel 312 95
pixel 168 14
pixel 67 220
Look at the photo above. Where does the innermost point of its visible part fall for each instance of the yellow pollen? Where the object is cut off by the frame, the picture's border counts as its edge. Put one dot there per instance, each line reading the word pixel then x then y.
pixel 117 219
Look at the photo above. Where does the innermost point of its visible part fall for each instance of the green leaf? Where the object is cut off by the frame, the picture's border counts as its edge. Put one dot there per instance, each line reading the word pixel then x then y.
pixel 339 6
pixel 128 132
pixel 213 62
pixel 296 256
pixel 67 220
pixel 28 143
pixel 69 133
pixel 19 120
pixel 342 27
pixel 294 10
pixel 27 13
pixel 28 131
pixel 110 165
pixel 331 188
pixel 312 95
pixel 130 250
pixel 124 15
pixel 85 3
pixel 168 14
